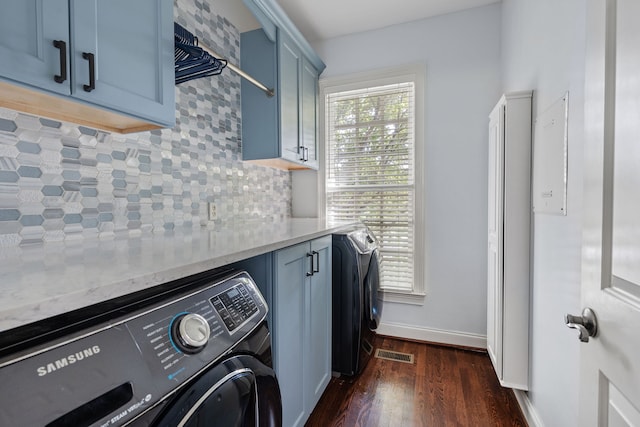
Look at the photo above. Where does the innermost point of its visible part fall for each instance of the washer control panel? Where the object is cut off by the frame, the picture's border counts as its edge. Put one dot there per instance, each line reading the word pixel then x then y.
pixel 235 306
pixel 179 339
pixel 363 240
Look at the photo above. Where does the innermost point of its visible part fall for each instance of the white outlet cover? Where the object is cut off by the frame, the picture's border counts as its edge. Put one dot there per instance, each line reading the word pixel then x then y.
pixel 213 214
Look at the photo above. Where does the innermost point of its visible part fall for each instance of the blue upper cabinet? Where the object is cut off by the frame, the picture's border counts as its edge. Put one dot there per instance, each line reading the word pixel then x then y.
pixel 132 64
pixel 103 63
pixel 280 131
pixel 28 29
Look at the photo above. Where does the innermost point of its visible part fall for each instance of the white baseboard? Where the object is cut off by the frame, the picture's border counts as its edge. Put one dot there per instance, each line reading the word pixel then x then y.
pixel 432 335
pixel 527 408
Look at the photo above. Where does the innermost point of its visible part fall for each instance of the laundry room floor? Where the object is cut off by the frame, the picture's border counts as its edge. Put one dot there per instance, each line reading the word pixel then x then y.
pixel 445 386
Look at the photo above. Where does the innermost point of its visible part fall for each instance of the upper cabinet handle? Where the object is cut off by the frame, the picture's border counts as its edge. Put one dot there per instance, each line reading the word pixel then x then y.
pixel 92 71
pixel 60 44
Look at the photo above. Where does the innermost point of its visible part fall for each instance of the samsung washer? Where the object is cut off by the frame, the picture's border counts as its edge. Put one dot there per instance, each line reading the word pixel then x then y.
pixel 199 356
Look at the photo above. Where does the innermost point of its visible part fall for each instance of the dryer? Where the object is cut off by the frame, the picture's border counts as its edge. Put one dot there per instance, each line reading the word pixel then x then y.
pixel 357 304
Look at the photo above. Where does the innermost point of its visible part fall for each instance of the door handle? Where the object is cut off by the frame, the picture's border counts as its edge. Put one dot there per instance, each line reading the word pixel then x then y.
pixel 310 273
pixel 60 44
pixel 587 324
pixel 92 71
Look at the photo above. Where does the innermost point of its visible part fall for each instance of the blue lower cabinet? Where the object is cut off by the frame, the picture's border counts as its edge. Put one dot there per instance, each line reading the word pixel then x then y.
pixel 296 283
pixel 302 326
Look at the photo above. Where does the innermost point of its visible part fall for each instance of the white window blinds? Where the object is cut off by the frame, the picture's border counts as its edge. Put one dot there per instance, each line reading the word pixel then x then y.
pixel 370 171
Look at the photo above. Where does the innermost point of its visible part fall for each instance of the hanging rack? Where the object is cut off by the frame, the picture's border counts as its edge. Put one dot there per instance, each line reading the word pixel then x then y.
pixel 192 61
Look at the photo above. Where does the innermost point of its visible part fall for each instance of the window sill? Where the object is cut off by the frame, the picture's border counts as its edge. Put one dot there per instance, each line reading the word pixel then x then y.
pixel 414 298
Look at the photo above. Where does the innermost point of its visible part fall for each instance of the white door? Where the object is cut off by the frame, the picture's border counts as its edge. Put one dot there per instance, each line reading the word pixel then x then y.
pixel 610 365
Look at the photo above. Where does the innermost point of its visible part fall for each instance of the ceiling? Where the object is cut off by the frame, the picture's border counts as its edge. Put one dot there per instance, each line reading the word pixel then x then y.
pixel 325 19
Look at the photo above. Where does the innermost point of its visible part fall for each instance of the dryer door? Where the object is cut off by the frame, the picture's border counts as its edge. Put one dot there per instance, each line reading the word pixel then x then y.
pixel 372 288
pixel 238 392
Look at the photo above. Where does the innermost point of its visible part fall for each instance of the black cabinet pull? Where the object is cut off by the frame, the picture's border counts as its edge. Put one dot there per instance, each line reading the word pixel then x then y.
pixel 310 273
pixel 92 71
pixel 60 44
pixel 317 263
pixel 304 151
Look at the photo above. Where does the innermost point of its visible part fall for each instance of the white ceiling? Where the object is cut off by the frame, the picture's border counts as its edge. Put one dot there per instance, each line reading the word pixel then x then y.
pixel 324 19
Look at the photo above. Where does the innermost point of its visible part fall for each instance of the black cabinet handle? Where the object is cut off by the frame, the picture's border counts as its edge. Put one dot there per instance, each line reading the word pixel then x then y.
pixel 317 264
pixel 92 71
pixel 310 273
pixel 60 44
pixel 305 154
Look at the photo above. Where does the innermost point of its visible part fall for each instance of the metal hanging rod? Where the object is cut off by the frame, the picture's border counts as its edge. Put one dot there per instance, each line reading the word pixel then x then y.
pixel 269 92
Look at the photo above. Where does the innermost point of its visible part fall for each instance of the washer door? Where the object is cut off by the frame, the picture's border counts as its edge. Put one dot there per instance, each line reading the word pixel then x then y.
pixel 238 392
pixel 371 289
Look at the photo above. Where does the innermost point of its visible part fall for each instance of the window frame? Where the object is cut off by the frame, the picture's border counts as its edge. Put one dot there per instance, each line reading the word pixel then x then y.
pixel 417 74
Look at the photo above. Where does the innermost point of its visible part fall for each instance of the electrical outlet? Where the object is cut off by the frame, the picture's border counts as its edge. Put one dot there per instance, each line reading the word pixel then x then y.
pixel 213 213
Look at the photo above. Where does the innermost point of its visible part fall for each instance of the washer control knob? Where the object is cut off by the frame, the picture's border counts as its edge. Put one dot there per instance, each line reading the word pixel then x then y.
pixel 192 332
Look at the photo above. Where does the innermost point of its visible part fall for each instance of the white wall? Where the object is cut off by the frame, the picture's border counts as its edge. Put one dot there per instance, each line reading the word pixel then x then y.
pixel 462 56
pixel 543 49
pixel 471 58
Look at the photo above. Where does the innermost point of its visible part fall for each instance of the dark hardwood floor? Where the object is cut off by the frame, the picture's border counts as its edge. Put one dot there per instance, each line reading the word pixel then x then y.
pixel 444 387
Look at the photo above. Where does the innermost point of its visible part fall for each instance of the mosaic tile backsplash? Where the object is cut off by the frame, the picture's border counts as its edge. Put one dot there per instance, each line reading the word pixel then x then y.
pixel 62 181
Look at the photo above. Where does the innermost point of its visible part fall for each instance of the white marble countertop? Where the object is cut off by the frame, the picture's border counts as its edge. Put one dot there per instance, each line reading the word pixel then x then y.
pixel 37 282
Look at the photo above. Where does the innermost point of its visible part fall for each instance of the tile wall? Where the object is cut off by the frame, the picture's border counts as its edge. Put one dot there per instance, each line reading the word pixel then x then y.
pixel 60 181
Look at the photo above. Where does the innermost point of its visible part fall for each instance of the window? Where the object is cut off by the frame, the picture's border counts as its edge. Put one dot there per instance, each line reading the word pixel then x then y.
pixel 370 168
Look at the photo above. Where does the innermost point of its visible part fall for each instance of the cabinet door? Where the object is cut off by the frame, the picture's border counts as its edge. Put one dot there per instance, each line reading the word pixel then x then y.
pixel 289 58
pixel 318 353
pixel 132 44
pixel 309 113
pixel 291 267
pixel 27 31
